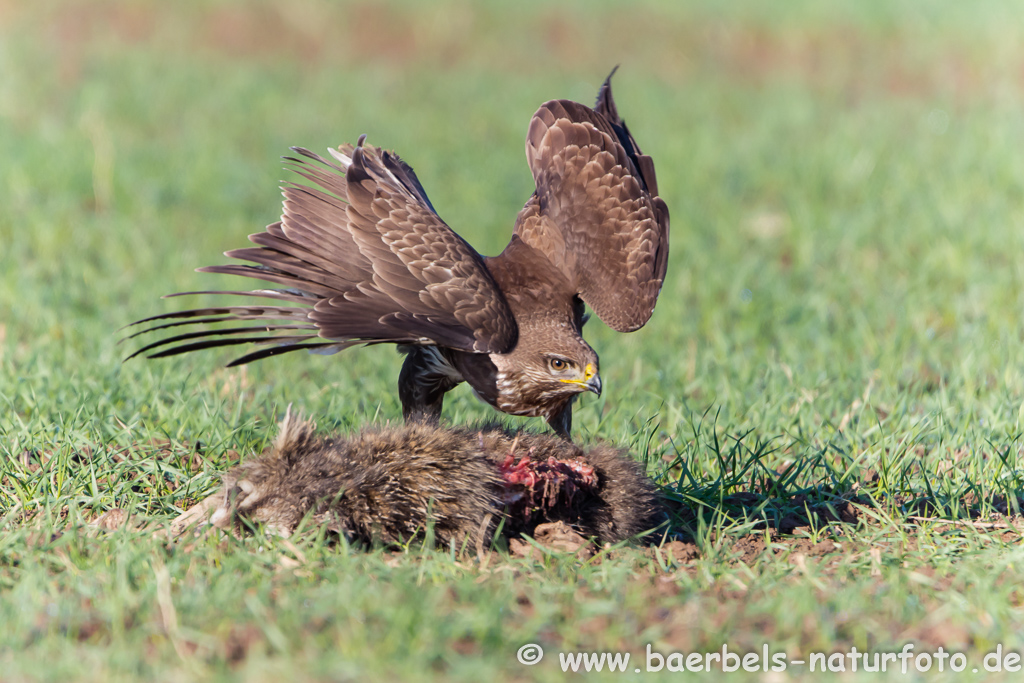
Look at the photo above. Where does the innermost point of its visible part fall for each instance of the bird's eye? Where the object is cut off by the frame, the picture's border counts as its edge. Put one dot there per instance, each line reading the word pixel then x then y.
pixel 558 364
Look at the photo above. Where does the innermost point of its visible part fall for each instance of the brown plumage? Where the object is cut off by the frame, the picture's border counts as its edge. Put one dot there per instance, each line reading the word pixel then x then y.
pixel 384 485
pixel 360 256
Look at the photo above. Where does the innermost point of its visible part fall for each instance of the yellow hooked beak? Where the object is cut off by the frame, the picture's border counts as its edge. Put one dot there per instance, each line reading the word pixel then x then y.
pixel 591 381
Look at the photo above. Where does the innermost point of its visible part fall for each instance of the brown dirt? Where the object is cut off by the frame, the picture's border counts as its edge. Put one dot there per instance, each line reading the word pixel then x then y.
pixel 554 536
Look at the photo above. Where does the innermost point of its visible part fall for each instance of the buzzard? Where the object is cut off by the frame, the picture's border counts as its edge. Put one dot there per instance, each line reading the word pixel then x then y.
pixel 361 257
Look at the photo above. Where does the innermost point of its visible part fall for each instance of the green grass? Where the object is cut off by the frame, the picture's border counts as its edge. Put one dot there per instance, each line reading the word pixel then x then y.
pixel 831 388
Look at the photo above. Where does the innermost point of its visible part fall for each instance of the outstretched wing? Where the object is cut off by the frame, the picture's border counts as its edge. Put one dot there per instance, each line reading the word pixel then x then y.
pixel 362 258
pixel 596 213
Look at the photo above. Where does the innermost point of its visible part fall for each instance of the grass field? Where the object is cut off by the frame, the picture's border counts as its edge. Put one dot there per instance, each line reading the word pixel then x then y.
pixel 831 390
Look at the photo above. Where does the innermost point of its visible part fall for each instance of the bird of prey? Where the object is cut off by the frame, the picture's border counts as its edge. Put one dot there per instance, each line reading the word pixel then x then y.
pixel 361 257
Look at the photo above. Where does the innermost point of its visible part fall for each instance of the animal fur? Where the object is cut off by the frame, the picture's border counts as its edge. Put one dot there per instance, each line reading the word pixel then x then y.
pixel 385 485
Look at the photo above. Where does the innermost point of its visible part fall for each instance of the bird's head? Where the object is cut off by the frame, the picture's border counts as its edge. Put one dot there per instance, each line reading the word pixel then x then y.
pixel 560 363
pixel 544 371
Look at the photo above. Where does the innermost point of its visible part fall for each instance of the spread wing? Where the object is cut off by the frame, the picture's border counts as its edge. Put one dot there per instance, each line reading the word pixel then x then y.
pixel 596 213
pixel 362 258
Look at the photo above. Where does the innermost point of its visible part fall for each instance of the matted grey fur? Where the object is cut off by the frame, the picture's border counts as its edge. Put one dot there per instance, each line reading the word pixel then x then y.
pixel 386 484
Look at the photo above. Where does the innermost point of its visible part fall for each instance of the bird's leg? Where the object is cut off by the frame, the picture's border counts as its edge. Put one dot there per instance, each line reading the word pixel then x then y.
pixel 423 382
pixel 561 420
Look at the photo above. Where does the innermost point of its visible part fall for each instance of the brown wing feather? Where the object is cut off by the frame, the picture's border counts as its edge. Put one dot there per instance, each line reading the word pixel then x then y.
pixel 596 213
pixel 366 259
pixel 422 278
